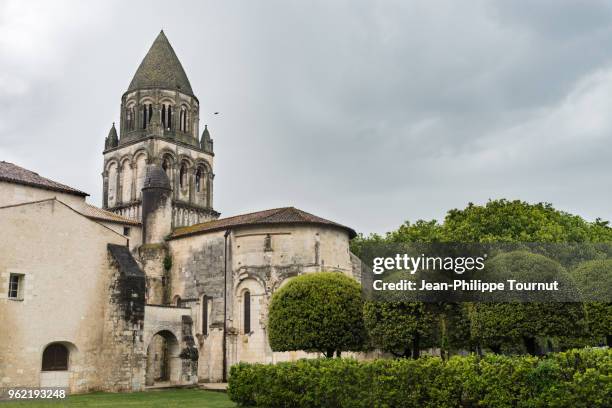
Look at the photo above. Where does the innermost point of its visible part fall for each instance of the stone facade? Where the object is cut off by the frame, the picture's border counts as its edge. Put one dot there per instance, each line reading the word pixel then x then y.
pixel 257 259
pixel 158 288
pixel 160 125
pixel 68 295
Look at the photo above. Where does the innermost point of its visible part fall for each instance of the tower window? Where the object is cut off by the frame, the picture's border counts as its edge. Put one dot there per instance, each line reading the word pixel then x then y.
pixel 55 358
pixel 198 180
pixel 15 290
pixel 165 166
pixel 183 119
pixel 247 312
pixel 169 117
pixel 129 118
pixel 183 176
pixel 147 112
pixel 163 115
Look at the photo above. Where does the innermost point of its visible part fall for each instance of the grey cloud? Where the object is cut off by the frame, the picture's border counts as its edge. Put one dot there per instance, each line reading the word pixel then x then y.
pixel 369 113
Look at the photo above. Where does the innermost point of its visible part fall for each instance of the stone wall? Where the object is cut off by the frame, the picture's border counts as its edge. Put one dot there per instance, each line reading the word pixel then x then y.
pixel 12 193
pixel 174 324
pixel 259 260
pixel 124 325
pixel 125 168
pixel 67 284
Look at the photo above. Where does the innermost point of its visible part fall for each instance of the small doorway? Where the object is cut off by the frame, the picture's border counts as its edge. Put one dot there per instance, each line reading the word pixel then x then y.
pixel 163 361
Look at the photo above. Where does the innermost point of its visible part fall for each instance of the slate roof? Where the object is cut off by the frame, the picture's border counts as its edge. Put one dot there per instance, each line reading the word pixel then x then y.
pixel 95 213
pixel 12 173
pixel 281 216
pixel 156 177
pixel 161 68
pixel 127 264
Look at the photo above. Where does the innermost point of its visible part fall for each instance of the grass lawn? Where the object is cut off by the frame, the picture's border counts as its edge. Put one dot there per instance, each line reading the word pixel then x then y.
pixel 154 399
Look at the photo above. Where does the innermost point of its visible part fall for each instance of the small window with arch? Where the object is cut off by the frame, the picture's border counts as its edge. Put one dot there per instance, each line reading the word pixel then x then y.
pixel 247 312
pixel 205 312
pixel 183 176
pixel 129 118
pixel 147 113
pixel 55 358
pixel 183 121
pixel 198 180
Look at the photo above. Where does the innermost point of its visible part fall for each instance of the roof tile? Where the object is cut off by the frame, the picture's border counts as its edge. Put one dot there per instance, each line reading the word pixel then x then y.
pixel 14 174
pixel 285 215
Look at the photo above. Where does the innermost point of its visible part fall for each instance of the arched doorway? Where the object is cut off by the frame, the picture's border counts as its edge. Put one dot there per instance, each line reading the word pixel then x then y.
pixel 163 361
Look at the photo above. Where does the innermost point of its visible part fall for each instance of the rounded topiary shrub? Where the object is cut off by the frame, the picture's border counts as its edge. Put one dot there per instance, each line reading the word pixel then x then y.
pixel 497 324
pixel 319 312
pixel 594 279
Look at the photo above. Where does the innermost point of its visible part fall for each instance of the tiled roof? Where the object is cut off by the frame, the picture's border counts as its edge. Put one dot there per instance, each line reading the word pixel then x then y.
pixel 14 174
pixel 161 68
pixel 283 216
pixel 99 214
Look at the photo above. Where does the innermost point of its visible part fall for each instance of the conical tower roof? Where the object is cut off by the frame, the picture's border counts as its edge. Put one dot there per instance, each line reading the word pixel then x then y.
pixel 161 68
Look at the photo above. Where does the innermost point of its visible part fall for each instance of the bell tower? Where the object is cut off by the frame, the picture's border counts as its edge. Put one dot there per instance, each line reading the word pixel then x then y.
pixel 159 125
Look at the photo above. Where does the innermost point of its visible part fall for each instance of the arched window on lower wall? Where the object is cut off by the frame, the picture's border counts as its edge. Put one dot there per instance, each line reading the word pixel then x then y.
pixel 205 313
pixel 247 312
pixel 55 358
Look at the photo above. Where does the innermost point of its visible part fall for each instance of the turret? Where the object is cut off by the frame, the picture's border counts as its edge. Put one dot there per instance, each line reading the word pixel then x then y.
pixel 156 206
pixel 206 142
pixel 112 140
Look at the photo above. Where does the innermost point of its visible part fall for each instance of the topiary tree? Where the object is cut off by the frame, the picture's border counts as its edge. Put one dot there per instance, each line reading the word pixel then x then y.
pixel 497 324
pixel 320 312
pixel 595 278
pixel 399 328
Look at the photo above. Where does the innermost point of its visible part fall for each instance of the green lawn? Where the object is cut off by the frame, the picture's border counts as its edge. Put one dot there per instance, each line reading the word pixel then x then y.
pixel 154 399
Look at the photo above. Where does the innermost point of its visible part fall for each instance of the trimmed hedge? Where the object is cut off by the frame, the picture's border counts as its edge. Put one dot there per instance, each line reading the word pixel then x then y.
pixel 577 378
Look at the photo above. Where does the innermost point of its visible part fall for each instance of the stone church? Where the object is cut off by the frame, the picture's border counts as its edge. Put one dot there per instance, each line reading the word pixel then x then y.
pixel 154 287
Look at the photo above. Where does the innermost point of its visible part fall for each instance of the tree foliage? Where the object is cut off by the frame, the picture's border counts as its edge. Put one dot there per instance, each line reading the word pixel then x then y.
pixel 320 312
pixel 596 277
pixel 400 328
pixel 499 221
pixel 505 221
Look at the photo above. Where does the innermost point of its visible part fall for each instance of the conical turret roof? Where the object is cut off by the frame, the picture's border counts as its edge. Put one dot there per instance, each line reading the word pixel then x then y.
pixel 112 133
pixel 155 177
pixel 161 68
pixel 112 140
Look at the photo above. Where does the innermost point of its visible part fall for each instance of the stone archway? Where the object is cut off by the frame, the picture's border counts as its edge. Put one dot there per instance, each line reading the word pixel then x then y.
pixel 163 360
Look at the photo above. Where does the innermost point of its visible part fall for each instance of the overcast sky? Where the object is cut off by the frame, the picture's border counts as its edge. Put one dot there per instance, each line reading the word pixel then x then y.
pixel 369 113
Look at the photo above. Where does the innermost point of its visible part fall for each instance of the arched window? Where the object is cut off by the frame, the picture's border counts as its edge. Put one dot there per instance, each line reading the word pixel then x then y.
pixel 183 119
pixel 167 165
pixel 129 118
pixel 166 116
pixel 177 301
pixel 205 315
pixel 247 312
pixel 147 113
pixel 183 176
pixel 198 179
pixel 55 358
